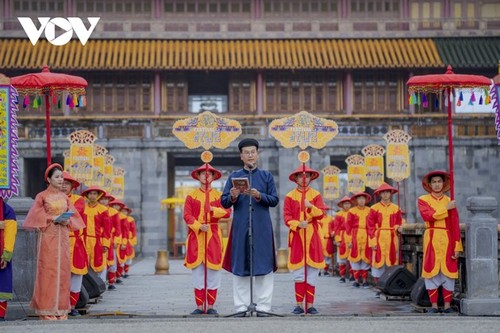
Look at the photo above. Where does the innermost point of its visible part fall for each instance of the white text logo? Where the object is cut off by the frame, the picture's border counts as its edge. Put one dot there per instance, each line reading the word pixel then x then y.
pixel 67 25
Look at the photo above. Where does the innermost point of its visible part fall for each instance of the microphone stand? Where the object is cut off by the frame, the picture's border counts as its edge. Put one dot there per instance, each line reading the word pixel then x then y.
pixel 252 307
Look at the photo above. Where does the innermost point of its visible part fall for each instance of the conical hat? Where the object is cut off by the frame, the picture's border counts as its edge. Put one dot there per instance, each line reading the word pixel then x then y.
pixel 306 169
pixel 75 183
pixel 94 188
pixel 362 194
pixel 385 187
pixel 344 199
pixel 206 167
pixel 117 202
pixel 426 181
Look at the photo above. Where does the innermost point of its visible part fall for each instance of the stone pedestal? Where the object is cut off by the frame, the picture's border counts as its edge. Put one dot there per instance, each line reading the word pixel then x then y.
pixel 481 259
pixel 25 256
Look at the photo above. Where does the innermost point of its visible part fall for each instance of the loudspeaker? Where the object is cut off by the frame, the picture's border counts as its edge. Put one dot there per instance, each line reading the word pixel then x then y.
pixel 83 299
pixel 94 285
pixel 396 281
pixel 420 296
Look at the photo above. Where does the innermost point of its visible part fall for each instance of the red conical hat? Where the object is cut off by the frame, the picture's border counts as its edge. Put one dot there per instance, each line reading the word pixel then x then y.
pixel 217 173
pixel 362 194
pixel 117 202
pixel 306 169
pixel 94 188
pixel 109 196
pixel 75 183
pixel 385 187
pixel 127 208
pixel 427 180
pixel 344 199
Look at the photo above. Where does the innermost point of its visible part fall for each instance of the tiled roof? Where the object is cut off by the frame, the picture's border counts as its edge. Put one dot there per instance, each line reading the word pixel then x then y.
pixel 469 52
pixel 221 54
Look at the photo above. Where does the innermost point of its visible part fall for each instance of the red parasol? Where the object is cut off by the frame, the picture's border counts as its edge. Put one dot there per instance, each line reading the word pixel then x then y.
pixel 50 85
pixel 436 83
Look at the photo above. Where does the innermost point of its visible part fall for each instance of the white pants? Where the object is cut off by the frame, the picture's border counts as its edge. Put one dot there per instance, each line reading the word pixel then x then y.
pixel 312 275
pixel 103 274
pixel 360 266
pixel 377 272
pixel 112 268
pixel 76 283
pixel 341 261
pixel 213 278
pixel 262 289
pixel 440 280
pixel 328 260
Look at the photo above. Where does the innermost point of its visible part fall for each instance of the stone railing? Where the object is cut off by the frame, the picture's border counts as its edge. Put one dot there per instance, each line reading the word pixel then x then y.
pixel 422 125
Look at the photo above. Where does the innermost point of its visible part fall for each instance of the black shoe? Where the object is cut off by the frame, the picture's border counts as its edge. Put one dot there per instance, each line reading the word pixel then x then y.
pixel 319 273
pixel 119 281
pixel 432 310
pixel 240 315
pixel 377 294
pixel 342 280
pixel 356 284
pixel 212 312
pixel 449 310
pixel 74 313
pixel 197 312
pixel 326 274
pixel 312 310
pixel 111 287
pixel 298 310
pixel 125 276
pixel 2 319
pixel 366 285
pixel 351 279
pixel 262 314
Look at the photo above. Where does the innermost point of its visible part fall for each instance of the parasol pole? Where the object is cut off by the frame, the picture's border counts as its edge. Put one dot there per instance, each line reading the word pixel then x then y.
pixel 303 211
pixel 206 216
pixel 450 146
pixel 47 128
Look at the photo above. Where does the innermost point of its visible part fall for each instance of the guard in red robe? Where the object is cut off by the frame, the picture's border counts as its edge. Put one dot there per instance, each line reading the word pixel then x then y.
pixel 79 258
pixel 328 243
pixel 360 254
pixel 202 212
pixel 442 240
pixel 339 226
pixel 115 239
pixel 303 211
pixel 384 222
pixel 97 233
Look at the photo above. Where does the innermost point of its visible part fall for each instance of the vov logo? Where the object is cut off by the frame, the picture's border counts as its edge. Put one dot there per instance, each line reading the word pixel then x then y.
pixel 69 25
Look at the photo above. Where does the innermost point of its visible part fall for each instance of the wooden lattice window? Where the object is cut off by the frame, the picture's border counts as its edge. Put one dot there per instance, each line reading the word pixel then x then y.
pixel 119 94
pixel 293 92
pixel 242 93
pixel 174 92
pixel 376 93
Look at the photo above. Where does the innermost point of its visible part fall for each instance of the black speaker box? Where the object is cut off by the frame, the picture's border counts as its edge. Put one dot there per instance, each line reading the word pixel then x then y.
pixel 94 285
pixel 396 281
pixel 83 299
pixel 420 297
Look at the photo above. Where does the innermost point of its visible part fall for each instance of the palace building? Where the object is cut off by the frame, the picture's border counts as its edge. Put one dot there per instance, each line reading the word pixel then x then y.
pixel 150 63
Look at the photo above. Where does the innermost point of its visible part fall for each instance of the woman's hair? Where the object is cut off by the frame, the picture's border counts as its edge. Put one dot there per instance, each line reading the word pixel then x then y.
pixel 52 170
